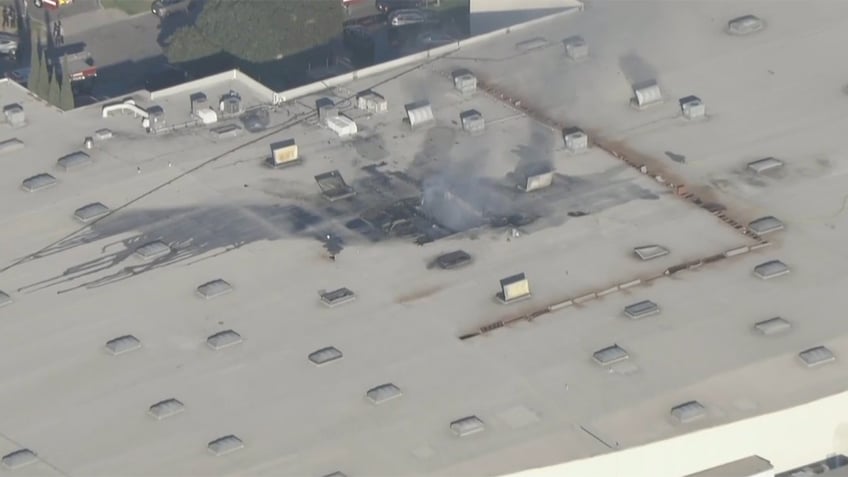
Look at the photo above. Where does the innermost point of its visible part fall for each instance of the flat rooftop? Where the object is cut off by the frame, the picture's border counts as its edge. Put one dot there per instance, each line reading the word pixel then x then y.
pixel 529 370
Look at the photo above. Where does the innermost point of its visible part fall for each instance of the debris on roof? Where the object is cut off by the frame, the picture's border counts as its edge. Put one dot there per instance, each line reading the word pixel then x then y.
pixel 816 356
pixel 641 309
pixel 467 426
pixel 771 269
pixel 325 355
pixel 337 297
pixel 123 344
pixel 223 339
pixel 383 393
pixel 688 412
pixel 214 289
pixel 225 445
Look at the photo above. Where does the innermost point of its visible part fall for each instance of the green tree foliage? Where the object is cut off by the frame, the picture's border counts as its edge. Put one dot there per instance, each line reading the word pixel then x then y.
pixel 66 100
pixel 34 64
pixel 54 91
pixel 256 31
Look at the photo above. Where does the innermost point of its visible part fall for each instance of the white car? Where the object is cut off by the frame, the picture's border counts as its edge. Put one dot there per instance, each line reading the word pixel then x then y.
pixel 407 17
pixel 8 45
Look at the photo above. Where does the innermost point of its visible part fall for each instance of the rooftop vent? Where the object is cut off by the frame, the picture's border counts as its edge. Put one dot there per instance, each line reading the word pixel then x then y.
pixel 771 269
pixel 514 288
pixel 576 47
pixel 103 134
pixel 123 344
pixel 342 126
pixel 383 393
pixel 326 108
pixel 641 310
pixel 419 114
pixel 226 131
pixel 151 250
pixel 333 186
pixel 15 115
pixel 575 139
pixel 452 260
pixel 11 145
pixel 5 299
pixel 464 82
pixel 225 445
pixel 650 252
pixel 336 474
pixel 38 182
pixel 467 426
pixel 156 116
pixel 472 121
pixel 198 102
pixel 692 107
pixel 371 102
pixel 19 458
pixel 531 44
pixel 816 356
pixel 73 161
pixel 223 339
pixel 646 94
pixel 213 289
pixel 283 154
pixel 536 178
pixel 165 409
pixel 230 104
pixel 90 212
pixel 688 412
pixel 745 25
pixel 766 225
pixel 325 355
pixel 337 297
pixel 764 165
pixel 772 326
pixel 610 355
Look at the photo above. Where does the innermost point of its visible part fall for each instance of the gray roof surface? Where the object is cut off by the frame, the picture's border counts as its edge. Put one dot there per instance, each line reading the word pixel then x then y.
pixel 269 232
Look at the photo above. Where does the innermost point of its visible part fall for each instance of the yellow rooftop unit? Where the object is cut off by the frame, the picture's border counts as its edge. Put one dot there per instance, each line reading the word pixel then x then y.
pixel 514 288
pixel 283 154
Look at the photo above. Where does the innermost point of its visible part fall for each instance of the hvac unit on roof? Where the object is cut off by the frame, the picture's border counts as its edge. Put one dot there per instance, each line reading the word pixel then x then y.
pixel 15 115
pixel 646 94
pixel 472 121
pixel 534 178
pixel 283 154
pixel 576 47
pixel 341 125
pixel 371 102
pixel 514 288
pixel 464 82
pixel 198 102
pixel 326 108
pixel 419 114
pixel 575 139
pixel 692 107
pixel 230 103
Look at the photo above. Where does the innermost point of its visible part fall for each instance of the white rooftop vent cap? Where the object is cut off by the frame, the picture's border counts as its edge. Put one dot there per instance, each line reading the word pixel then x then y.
pixel 223 339
pixel 650 252
pixel 325 355
pixel 745 25
pixel 688 412
pixel 90 212
pixel 646 94
pixel 816 356
pixel 19 458
pixel 165 409
pixel 383 393
pixel 514 288
pixel 123 344
pixel 213 289
pixel 773 326
pixel 610 355
pixel 151 250
pixel 641 309
pixel 467 426
pixel 766 225
pixel 5 299
pixel 771 269
pixel 225 445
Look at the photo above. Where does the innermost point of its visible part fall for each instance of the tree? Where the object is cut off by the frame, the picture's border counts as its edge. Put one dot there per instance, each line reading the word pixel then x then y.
pixel 54 89
pixel 66 100
pixel 34 64
pixel 256 31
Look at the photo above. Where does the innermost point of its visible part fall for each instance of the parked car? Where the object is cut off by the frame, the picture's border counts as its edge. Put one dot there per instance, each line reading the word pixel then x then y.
pixel 400 18
pixel 388 6
pixel 8 45
pixel 432 39
pixel 165 8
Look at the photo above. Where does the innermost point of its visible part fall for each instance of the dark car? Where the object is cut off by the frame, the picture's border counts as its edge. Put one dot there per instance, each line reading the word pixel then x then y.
pixel 388 6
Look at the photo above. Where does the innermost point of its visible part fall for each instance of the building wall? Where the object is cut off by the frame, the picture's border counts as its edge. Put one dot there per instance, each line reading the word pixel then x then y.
pixel 490 15
pixel 788 439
